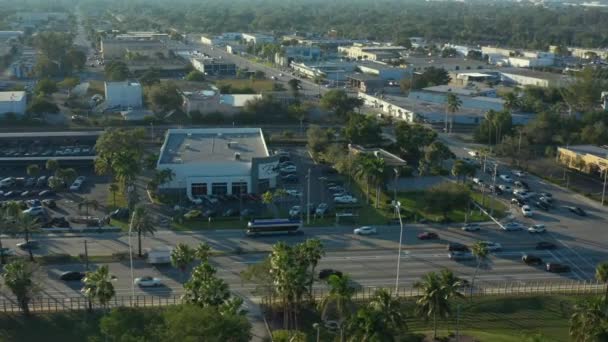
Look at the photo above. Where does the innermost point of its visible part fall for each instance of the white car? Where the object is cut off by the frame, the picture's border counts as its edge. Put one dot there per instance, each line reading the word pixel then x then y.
pixel 321 209
pixel 526 211
pixel 492 246
pixel 345 199
pixel 477 180
pixel 294 193
pixel 506 178
pixel 294 211
pixel 365 230
pixel 76 185
pixel 537 228
pixel 505 188
pixel 34 211
pixel 519 173
pixel 520 192
pixel 147 281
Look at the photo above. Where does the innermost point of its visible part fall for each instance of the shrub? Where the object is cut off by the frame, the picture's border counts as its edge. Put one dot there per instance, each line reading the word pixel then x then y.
pixel 288 336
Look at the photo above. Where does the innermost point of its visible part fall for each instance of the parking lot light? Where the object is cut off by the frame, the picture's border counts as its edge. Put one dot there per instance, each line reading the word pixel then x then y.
pixel 398 209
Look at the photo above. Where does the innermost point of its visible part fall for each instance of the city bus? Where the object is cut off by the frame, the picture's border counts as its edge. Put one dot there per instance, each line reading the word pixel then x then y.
pixel 274 226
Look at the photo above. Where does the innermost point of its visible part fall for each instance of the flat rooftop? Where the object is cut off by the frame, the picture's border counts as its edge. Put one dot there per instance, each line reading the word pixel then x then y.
pixel 9 96
pixel 598 151
pixel 534 74
pixel 50 134
pixel 183 146
pixel 456 90
pixel 438 61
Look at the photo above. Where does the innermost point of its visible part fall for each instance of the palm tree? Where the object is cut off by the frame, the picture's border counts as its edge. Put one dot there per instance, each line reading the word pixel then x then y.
pixel 88 203
pixel 589 322
pixel 51 165
pixel 339 300
pixel 601 274
pixel 27 224
pixel 19 278
pixel 511 101
pixel 390 307
pixel 480 252
pixel 453 105
pixel 311 251
pixel 181 256
pixel 451 283
pixel 458 169
pixel 141 222
pixel 363 170
pixel 98 286
pixel 369 325
pixel 203 252
pixel 114 189
pixel 378 175
pixel 435 298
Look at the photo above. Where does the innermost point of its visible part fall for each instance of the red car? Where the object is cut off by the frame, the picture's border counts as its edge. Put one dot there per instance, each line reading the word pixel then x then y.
pixel 428 236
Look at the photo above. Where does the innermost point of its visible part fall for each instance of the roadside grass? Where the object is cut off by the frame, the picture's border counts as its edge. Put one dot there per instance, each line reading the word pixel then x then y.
pixel 74 326
pixel 232 223
pixel 491 318
pixel 257 85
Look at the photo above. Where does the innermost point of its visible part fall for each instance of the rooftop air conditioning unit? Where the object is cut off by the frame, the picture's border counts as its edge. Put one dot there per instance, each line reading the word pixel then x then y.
pixel 237 156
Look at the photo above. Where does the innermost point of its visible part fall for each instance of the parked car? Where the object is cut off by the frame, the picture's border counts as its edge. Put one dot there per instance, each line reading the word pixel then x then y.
pixel 530 259
pixel 46 193
pixel 506 178
pixel 6 251
pixel 545 245
pixel 471 227
pixel 327 272
pixel 546 194
pixel 291 178
pixel 345 199
pixel 519 173
pixel 41 181
pixel 365 230
pixel 72 276
pixel 578 211
pixel 557 268
pixel 30 182
pixel 293 192
pixel 60 222
pixel 455 246
pixel 526 211
pixel 294 211
pixel 505 188
pixel 49 203
pixel 33 203
pixel 230 212
pixel 520 202
pixel 32 244
pixel 34 211
pixel 541 205
pixel 546 200
pixel 76 185
pixel 289 168
pixel 428 236
pixel 321 209
pixel 7 182
pixel 537 228
pixel 477 181
pixel 120 213
pixel 147 281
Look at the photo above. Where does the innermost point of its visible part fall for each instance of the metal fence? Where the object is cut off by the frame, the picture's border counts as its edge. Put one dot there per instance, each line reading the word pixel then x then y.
pixel 68 303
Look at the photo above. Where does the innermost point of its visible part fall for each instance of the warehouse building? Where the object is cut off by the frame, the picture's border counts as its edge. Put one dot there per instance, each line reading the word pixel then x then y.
pixel 123 95
pixel 217 161
pixel 215 67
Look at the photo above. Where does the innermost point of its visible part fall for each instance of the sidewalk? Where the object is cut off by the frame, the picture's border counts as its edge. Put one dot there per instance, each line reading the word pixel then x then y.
pixel 259 331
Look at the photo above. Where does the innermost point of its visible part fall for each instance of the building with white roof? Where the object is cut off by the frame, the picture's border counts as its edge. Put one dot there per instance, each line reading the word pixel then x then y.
pixel 12 102
pixel 257 38
pixel 123 95
pixel 217 161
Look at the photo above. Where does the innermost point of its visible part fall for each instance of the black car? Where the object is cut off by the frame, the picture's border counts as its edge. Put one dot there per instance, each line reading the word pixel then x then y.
pixel 72 276
pixel 578 211
pixel 247 212
pixel 524 184
pixel 28 245
pixel 290 178
pixel 60 222
pixel 46 193
pixel 530 259
pixel 541 205
pixel 453 247
pixel 120 213
pixel 230 212
pixel 519 201
pixel 557 268
pixel 545 245
pixel 326 273
pixel 283 159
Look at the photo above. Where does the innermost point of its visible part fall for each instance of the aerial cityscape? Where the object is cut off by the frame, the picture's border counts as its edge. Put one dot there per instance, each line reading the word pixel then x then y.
pixel 304 171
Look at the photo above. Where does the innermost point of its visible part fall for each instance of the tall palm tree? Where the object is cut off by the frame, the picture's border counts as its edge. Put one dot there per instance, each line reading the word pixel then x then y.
pixel 339 300
pixel 19 278
pixel 363 170
pixel 141 222
pixel 311 252
pixel 114 189
pixel 480 252
pixel 203 252
pixel 368 324
pixel 98 286
pixel 601 274
pixel 435 298
pixel 589 322
pixel 453 105
pixel 451 283
pixel 181 256
pixel 392 312
pixel 27 224
pixel 378 175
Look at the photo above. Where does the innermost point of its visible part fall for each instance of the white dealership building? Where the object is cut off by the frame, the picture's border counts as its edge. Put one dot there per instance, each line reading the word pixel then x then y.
pixel 217 161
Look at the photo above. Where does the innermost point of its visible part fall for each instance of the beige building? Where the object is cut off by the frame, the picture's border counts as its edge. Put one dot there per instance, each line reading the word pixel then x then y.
pixel 586 158
pixel 371 52
pixel 118 49
pixel 585 53
pixel 209 101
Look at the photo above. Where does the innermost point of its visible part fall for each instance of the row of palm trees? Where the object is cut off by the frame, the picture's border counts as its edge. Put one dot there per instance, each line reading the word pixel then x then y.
pixel 373 171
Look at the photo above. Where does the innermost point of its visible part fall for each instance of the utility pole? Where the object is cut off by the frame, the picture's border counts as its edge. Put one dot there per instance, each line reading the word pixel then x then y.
pixel 308 199
pixel 86 256
pixel 395 186
pixel 493 187
pixel 398 209
pixel 604 188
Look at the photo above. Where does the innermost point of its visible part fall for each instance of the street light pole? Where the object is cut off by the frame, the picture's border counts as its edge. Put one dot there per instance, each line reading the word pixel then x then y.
pixel 131 257
pixel 604 188
pixel 398 209
pixel 395 186
pixel 308 199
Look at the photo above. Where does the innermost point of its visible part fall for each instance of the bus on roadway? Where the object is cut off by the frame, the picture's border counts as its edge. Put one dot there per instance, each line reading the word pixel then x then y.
pixel 273 226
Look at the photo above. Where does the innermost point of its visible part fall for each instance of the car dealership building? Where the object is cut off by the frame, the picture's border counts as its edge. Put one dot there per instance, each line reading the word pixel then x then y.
pixel 217 161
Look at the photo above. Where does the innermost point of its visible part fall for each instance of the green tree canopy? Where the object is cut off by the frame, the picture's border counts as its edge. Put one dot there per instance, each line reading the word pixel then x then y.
pixel 362 130
pixel 339 102
pixel 195 76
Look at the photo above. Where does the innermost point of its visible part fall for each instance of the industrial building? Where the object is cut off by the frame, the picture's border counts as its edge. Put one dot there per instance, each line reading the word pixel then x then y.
pixel 586 158
pixel 208 101
pixel 123 95
pixel 527 77
pixel 297 53
pixel 257 38
pixel 12 102
pixel 371 52
pixel 118 48
pixel 217 161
